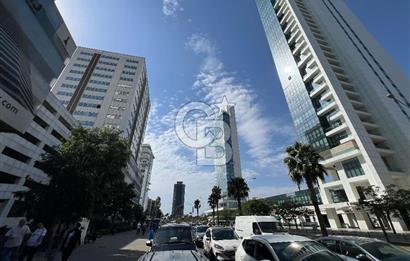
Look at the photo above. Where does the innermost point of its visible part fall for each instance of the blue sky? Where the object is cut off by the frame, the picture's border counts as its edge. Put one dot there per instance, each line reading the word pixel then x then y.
pixel 201 50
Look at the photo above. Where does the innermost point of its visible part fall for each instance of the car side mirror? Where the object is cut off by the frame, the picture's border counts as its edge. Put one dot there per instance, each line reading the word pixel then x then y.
pixel 148 243
pixel 362 257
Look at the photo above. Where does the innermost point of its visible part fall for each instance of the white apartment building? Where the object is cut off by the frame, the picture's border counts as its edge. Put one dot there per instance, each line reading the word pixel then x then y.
pixel 347 98
pixel 106 89
pixel 21 153
pixel 145 168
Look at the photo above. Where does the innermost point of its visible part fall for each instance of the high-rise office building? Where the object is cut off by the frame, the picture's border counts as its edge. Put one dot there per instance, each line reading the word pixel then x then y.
pixel 227 165
pixel 347 98
pixel 106 89
pixel 178 199
pixel 145 167
pixel 34 43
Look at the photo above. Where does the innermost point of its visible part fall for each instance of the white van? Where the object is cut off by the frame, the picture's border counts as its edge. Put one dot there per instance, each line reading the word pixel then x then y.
pixel 246 226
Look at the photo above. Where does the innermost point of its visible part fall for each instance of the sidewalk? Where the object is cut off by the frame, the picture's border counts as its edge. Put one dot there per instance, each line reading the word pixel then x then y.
pixel 124 246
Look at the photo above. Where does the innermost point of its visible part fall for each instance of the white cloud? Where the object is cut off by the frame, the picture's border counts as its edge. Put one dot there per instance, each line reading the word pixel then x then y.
pixel 214 82
pixel 170 7
pixel 248 174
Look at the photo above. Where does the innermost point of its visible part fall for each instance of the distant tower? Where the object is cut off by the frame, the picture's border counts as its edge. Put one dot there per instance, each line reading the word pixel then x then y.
pixel 178 199
pixel 145 167
pixel 228 166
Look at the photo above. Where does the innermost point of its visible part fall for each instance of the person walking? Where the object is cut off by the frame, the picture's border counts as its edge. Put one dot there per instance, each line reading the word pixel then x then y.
pixel 14 238
pixel 144 228
pixel 138 228
pixel 150 235
pixel 33 242
pixel 72 239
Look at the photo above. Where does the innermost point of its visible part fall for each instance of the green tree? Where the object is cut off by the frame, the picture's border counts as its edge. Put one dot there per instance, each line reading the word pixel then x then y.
pixel 238 189
pixel 303 165
pixel 197 206
pixel 289 210
pixel 256 207
pixel 216 192
pixel 212 204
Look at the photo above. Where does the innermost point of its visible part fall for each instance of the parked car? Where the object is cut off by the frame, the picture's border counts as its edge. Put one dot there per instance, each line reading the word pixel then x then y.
pixel 199 233
pixel 220 243
pixel 173 242
pixel 363 248
pixel 246 226
pixel 283 247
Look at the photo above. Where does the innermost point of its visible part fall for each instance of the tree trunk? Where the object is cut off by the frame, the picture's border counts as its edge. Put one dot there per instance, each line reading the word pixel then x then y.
pixel 296 223
pixel 382 226
pixel 197 212
pixel 390 222
pixel 217 213
pixel 239 207
pixel 213 215
pixel 313 198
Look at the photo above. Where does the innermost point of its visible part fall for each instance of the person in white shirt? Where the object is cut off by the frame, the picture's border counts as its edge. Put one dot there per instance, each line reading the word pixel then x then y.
pixel 33 242
pixel 14 238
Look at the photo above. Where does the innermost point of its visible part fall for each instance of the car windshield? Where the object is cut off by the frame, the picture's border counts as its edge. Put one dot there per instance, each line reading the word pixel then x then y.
pixel 385 251
pixel 268 227
pixel 173 238
pixel 224 234
pixel 304 250
pixel 201 229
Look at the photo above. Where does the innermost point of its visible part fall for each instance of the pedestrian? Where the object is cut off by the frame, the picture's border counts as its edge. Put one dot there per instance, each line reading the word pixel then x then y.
pixel 150 235
pixel 72 239
pixel 33 242
pixel 138 228
pixel 144 228
pixel 14 238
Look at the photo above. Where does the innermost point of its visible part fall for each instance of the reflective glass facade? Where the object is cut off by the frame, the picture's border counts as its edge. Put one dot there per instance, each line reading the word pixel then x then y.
pixel 302 109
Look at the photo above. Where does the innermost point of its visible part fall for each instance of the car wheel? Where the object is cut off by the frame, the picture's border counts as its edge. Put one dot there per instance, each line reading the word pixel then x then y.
pixel 212 256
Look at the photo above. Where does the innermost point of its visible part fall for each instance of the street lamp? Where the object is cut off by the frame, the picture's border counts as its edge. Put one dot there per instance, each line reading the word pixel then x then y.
pixel 391 96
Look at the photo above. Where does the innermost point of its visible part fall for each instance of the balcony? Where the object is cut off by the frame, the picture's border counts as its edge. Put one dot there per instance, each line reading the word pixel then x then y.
pixel 304 59
pixel 326 96
pixel 336 130
pixel 326 107
pixel 290 26
pixel 298 47
pixel 335 115
pixel 377 138
pixel 318 89
pixel 370 126
pixel 294 36
pixel 341 152
pixel 310 73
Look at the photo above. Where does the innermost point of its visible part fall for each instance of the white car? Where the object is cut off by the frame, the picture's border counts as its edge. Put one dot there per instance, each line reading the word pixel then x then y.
pixel 282 247
pixel 246 226
pixel 220 243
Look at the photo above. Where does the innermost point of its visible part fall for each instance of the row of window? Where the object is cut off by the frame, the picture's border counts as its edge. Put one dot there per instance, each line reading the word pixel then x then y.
pixel 353 168
pixel 122 93
pixel 119 108
pixel 131 61
pixel 70 78
pixel 86 113
pixel 128 72
pixel 130 66
pixel 88 105
pixel 87 123
pixel 113 126
pixel 87 54
pixel 80 65
pixel 65 93
pixel 67 85
pixel 114 116
pixel 105 69
pixel 93 97
pixel 119 100
pixel 76 71
pixel 107 63
pixel 96 89
pixel 83 59
pixel 100 82
pixel 102 75
pixel 110 57
pixel 126 79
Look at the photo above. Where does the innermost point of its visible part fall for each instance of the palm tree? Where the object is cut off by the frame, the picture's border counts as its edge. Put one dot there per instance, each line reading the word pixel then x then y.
pixel 238 189
pixel 212 204
pixel 216 195
pixel 197 205
pixel 303 165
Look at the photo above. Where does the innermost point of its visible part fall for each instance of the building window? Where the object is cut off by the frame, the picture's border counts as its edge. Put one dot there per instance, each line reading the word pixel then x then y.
pixel 65 93
pixel 353 168
pixel 15 155
pixel 87 123
pixel 338 195
pixel 86 113
pixel 131 61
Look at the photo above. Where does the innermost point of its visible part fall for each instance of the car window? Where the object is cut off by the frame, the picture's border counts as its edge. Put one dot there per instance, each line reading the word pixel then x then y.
pixel 249 247
pixel 332 245
pixel 383 250
pixel 322 256
pixel 349 249
pixel 256 229
pixel 268 227
pixel 208 233
pixel 262 252
pixel 295 251
pixel 224 234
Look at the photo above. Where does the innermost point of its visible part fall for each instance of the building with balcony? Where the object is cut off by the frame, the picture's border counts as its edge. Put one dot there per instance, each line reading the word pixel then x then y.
pixel 106 89
pixel 337 80
pixel 146 162
pixel 21 152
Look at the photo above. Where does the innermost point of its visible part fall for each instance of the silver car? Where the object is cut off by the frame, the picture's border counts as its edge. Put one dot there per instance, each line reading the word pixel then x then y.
pixel 363 248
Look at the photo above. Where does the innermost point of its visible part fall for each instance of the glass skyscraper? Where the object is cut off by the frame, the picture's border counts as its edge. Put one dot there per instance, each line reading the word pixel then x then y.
pixel 347 99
